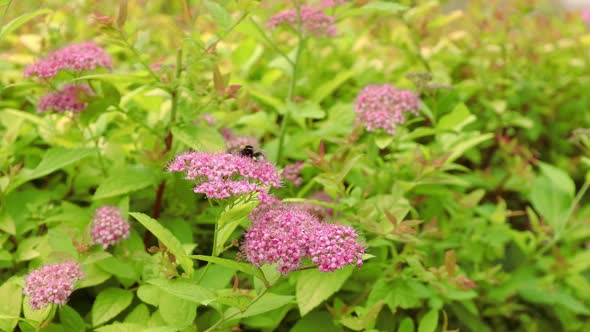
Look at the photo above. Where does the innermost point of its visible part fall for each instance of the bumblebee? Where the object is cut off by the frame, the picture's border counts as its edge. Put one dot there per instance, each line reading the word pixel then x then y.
pixel 248 151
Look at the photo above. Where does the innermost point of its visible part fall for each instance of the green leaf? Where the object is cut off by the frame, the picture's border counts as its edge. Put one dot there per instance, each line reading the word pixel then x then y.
pixel 266 303
pixel 457 119
pixel 124 182
pixel 139 315
pixel 167 238
pixel 24 115
pixel 184 289
pixel 54 159
pixel 121 327
pixel 238 266
pixel 219 14
pixel 313 287
pixel 329 86
pixel 316 321
pixel 149 294
pixel 176 311
pixel 19 21
pixel 200 138
pixel 10 305
pixel 377 8
pixel 118 267
pixel 109 303
pixel 429 322
pixel 71 319
pixel 466 144
pixel 406 325
pixel 552 194
pixel 229 220
pixel 267 98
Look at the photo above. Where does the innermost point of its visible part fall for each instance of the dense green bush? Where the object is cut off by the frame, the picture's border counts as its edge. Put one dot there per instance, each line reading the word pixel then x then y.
pixel 471 214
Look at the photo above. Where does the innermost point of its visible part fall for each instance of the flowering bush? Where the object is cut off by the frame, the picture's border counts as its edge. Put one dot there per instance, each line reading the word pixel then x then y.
pixel 294 165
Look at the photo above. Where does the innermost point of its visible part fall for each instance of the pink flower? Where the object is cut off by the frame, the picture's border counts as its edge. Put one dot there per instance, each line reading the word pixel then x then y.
pixel 208 119
pixel 51 284
pixel 234 142
pixel 291 173
pixel 313 21
pixel 286 234
pixel 586 16
pixel 223 175
pixel 319 211
pixel 109 227
pixel 76 57
pixel 383 106
pixel 71 98
pixel 332 3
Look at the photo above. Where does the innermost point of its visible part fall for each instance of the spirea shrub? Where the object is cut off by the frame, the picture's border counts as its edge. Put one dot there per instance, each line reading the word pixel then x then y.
pixel 70 98
pixel 109 227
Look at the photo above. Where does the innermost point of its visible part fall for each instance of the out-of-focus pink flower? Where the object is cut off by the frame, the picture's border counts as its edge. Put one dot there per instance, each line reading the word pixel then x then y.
pixel 76 57
pixel 384 106
pixel 313 21
pixel 72 98
pixel 291 173
pixel 208 119
pixel 52 283
pixel 319 211
pixel 332 3
pixel 585 15
pixel 223 175
pixel 234 142
pixel 285 234
pixel 109 227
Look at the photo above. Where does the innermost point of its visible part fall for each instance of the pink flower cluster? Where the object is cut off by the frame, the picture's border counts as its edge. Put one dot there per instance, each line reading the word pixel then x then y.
pixel 233 141
pixel 313 21
pixel 69 98
pixel 109 227
pixel 52 283
pixel 286 234
pixel 75 57
pixel 332 3
pixel 383 106
pixel 291 173
pixel 223 175
pixel 585 15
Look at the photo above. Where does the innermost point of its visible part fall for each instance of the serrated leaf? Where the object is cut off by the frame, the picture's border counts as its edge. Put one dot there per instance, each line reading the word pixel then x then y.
pixel 109 303
pixel 167 238
pixel 429 322
pixel 238 266
pixel 122 183
pixel 53 159
pixel 313 287
pixel 229 220
pixel 552 194
pixel 176 311
pixel 139 315
pixel 200 138
pixel 10 305
pixel 184 289
pixel 266 303
pixel 71 319
pixel 19 21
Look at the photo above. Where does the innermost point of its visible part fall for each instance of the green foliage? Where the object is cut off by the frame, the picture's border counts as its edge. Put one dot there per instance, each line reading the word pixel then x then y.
pixel 474 214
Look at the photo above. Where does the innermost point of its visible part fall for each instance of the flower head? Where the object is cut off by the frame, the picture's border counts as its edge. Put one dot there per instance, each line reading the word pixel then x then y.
pixel 313 21
pixel 223 175
pixel 383 106
pixel 72 98
pixel 285 234
pixel 585 15
pixel 109 227
pixel 52 283
pixel 332 3
pixel 75 57
pixel 291 173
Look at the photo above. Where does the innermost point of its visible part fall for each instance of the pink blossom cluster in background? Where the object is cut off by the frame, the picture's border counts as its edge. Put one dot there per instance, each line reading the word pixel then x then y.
pixel 75 57
pixel 70 98
pixel 332 3
pixel 52 284
pixel 223 175
pixel 109 227
pixel 384 107
pixel 233 141
pixel 285 234
pixel 585 15
pixel 313 21
pixel 292 172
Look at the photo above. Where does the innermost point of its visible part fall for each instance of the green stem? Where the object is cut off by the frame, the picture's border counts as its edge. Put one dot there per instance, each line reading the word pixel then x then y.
pixel 273 45
pixel 5 12
pixel 228 317
pixel 136 54
pixel 96 142
pixel 300 46
pixel 563 223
